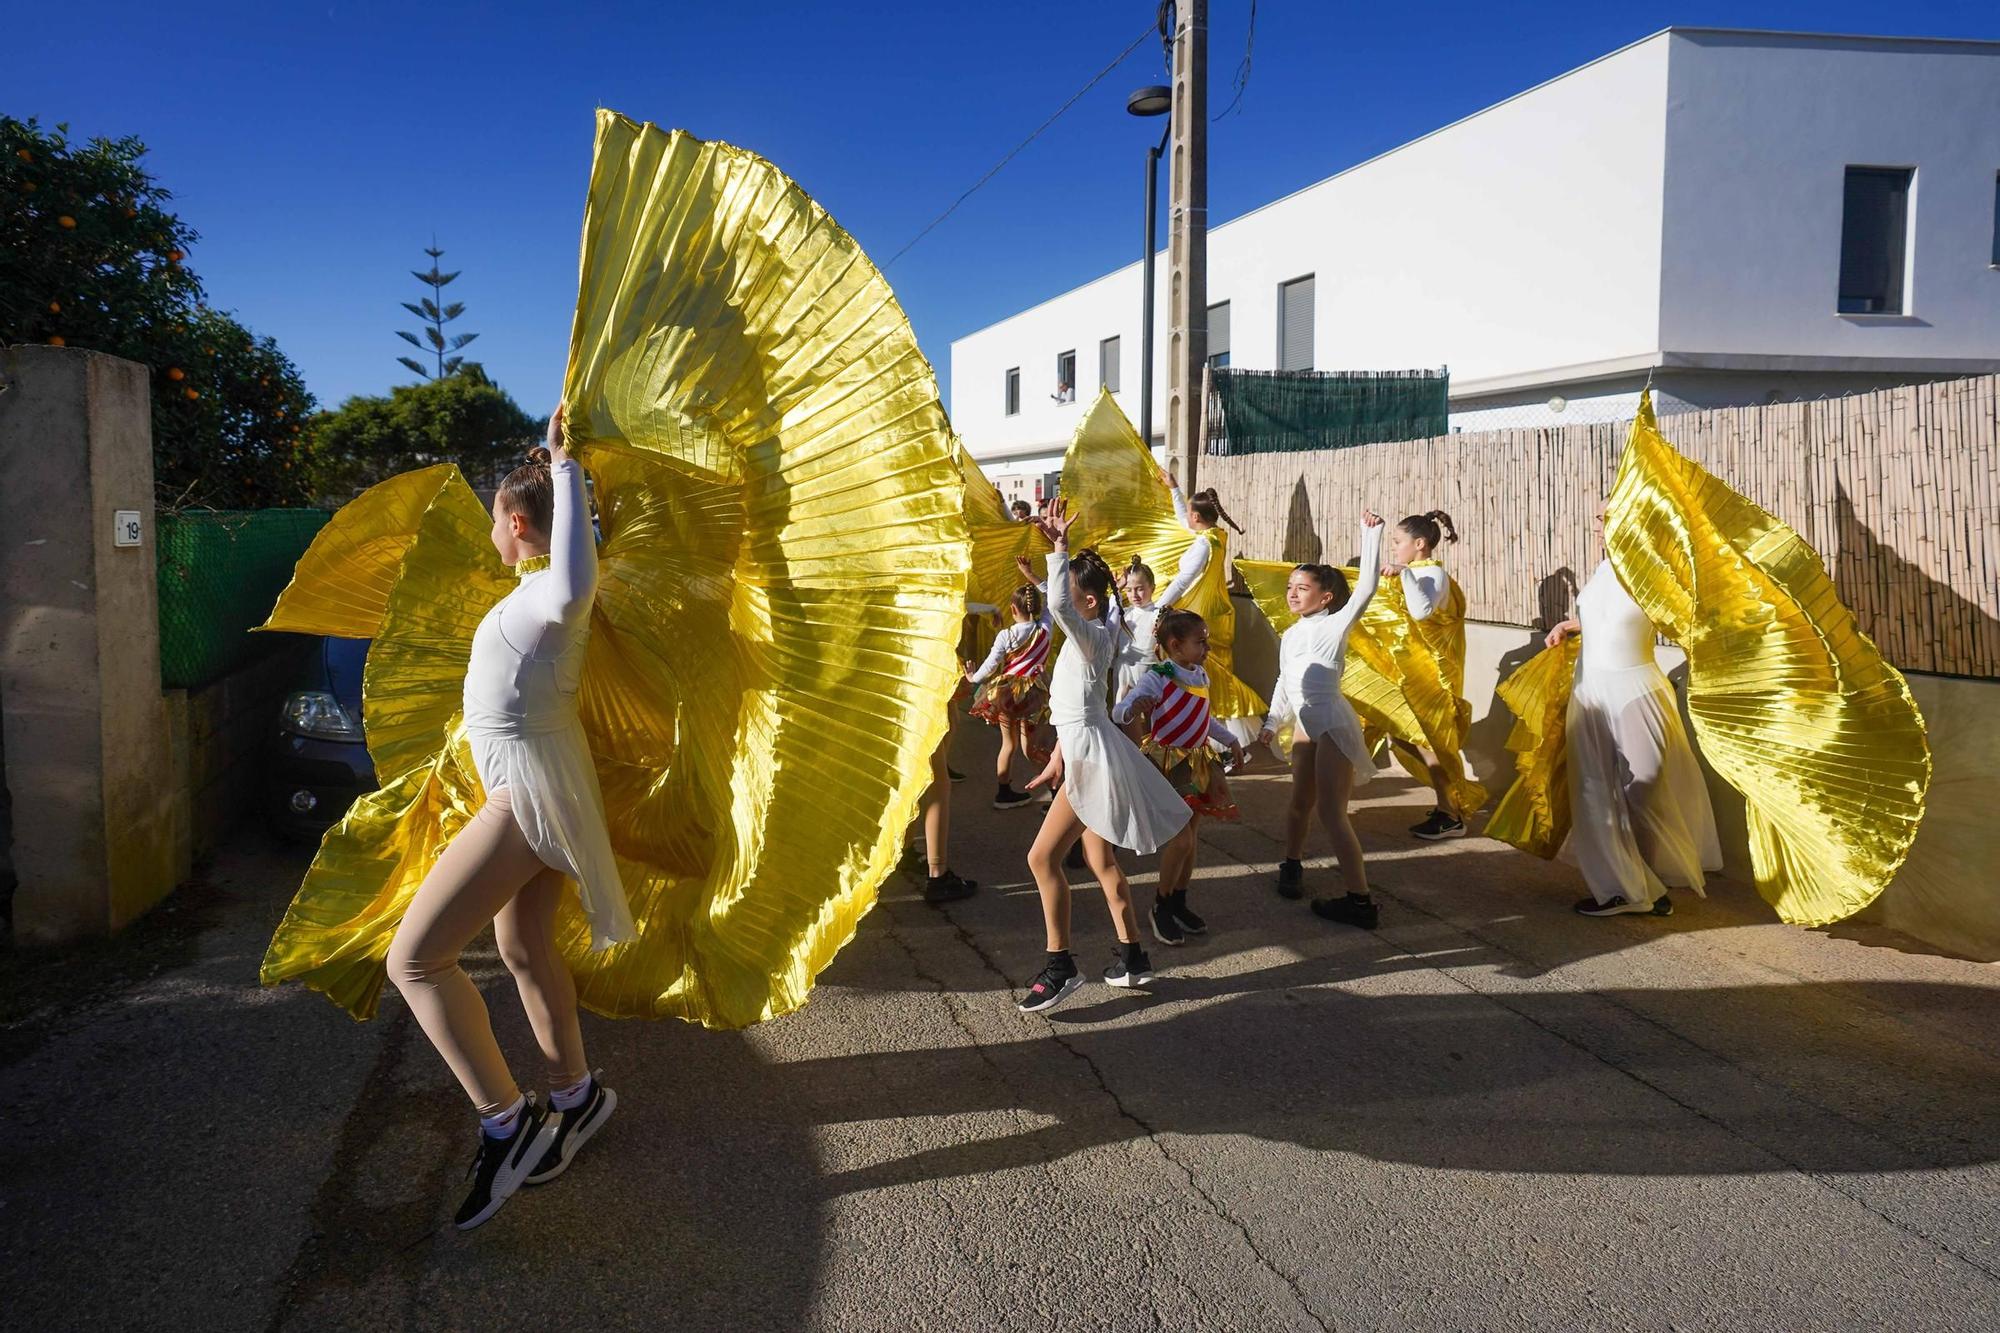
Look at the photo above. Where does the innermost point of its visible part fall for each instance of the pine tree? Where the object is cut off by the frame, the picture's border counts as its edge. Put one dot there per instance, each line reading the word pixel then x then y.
pixel 436 315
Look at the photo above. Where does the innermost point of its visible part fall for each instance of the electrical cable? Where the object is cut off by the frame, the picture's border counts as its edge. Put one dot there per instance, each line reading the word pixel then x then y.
pixel 1242 70
pixel 1096 79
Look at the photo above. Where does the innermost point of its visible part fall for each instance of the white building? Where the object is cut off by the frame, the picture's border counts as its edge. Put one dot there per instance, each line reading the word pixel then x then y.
pixel 1745 216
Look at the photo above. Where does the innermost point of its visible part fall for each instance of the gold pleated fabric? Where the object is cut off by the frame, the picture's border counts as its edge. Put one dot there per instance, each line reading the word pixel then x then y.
pixel 1112 485
pixel 1430 665
pixel 997 538
pixel 1792 704
pixel 1534 813
pixel 782 579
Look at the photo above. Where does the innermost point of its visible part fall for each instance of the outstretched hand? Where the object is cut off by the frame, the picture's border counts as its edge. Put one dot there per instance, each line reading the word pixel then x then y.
pixel 557 453
pixel 1562 631
pixel 1166 478
pixel 1055 524
pixel 1027 570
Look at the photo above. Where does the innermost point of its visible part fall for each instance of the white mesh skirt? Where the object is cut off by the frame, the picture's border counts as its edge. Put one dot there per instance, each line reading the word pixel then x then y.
pixel 553 785
pixel 1640 817
pixel 1116 791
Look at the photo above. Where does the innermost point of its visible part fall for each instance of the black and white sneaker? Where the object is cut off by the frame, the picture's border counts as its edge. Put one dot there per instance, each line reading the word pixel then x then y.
pixel 1352 909
pixel 1184 914
pixel 1439 827
pixel 1663 906
pixel 1050 989
pixel 948 888
pixel 1291 879
pixel 1166 929
pixel 1140 973
pixel 573 1129
pixel 1009 799
pixel 502 1164
pixel 1619 906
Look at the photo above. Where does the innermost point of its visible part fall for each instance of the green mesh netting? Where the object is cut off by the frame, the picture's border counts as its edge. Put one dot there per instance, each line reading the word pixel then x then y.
pixel 220 572
pixel 1275 411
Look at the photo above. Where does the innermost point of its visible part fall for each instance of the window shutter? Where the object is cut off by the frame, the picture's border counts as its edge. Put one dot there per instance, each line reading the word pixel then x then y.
pixel 1107 364
pixel 1218 329
pixel 1295 325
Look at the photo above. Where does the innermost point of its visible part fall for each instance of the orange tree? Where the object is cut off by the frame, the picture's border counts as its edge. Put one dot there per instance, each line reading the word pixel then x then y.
pixel 90 257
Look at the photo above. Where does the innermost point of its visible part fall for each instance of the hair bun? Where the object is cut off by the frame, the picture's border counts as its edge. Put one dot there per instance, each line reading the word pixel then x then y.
pixel 539 455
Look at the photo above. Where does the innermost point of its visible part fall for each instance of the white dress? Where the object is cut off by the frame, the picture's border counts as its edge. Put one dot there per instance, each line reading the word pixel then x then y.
pixel 1311 658
pixel 1135 648
pixel 1640 817
pixel 521 718
pixel 1115 790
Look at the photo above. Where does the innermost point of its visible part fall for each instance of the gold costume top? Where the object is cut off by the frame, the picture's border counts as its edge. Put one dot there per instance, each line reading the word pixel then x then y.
pixel 782 579
pixel 1112 486
pixel 1791 703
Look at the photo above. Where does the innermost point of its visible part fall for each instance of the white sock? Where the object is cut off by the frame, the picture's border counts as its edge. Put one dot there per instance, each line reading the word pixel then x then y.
pixel 575 1095
pixel 502 1126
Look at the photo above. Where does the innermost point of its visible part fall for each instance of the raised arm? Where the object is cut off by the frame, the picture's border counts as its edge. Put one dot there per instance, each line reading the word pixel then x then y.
pixel 1194 562
pixel 572 580
pixel 1061 609
pixel 1369 576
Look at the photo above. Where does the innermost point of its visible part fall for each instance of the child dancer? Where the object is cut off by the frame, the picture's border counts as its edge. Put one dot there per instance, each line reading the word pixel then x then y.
pixel 1640 815
pixel 1110 796
pixel 1171 700
pixel 1329 755
pixel 1135 654
pixel 543 820
pixel 1015 699
pixel 1437 609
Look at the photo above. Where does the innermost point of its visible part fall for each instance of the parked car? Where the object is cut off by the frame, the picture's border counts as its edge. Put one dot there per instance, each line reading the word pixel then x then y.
pixel 318 762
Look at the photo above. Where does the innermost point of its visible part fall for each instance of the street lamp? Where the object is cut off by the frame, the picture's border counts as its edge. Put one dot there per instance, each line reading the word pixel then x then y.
pixel 1150 101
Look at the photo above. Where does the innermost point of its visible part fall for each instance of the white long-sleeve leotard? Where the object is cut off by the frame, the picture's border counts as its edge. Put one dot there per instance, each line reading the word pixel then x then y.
pixel 1194 560
pixel 1424 589
pixel 1313 653
pixel 527 654
pixel 1004 643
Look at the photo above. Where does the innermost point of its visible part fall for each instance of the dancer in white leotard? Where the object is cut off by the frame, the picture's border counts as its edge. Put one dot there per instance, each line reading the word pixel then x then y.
pixel 543 820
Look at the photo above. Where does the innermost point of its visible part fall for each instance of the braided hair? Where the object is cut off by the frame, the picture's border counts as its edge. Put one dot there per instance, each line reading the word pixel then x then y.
pixel 1207 506
pixel 1095 578
pixel 1172 627
pixel 1330 580
pixel 530 491
pixel 1028 600
pixel 1430 528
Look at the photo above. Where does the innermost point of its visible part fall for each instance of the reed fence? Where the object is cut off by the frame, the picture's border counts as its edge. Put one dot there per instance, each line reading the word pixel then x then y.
pixel 1898 490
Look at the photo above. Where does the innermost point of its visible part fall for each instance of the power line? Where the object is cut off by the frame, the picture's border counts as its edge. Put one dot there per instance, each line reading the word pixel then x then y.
pixel 1243 70
pixel 1074 99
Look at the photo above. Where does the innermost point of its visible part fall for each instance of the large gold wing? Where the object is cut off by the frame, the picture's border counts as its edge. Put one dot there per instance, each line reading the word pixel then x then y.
pixel 1791 703
pixel 408 564
pixel 1534 814
pixel 1112 485
pixel 1429 658
pixel 785 568
pixel 997 538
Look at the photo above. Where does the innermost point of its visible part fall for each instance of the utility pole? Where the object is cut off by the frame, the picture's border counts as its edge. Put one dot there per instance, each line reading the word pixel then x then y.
pixel 1187 245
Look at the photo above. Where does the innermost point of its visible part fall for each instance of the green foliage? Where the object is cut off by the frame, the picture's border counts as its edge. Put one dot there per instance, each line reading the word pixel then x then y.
pixel 461 418
pixel 437 315
pixel 91 258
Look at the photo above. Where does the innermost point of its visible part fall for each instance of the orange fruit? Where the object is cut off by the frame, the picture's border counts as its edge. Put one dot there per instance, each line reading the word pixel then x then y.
pixel 175 256
pixel 176 374
pixel 66 221
pixel 56 340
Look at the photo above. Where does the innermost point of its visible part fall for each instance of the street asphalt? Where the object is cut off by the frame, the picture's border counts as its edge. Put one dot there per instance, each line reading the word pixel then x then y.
pixel 1489 1114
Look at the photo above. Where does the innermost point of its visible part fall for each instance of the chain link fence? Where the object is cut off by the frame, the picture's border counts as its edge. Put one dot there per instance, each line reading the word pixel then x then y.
pixel 220 573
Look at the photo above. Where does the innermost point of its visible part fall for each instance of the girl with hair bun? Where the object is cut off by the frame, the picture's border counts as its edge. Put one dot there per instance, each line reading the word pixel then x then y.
pixel 1436 609
pixel 1142 613
pixel 1012 694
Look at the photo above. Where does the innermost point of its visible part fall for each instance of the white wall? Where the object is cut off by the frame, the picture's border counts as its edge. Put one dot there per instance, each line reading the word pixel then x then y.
pixel 1483 246
pixel 1760 130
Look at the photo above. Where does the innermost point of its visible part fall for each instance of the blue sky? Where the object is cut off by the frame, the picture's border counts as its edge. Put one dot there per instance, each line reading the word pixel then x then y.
pixel 317 147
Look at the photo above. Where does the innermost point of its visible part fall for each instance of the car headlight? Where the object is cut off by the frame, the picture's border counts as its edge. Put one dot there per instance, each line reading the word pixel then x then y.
pixel 317 713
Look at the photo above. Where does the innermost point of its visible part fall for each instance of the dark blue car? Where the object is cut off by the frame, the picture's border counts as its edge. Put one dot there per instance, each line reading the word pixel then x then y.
pixel 318 761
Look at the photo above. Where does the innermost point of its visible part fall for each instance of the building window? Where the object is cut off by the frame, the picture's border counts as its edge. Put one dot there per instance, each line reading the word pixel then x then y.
pixel 1295 324
pixel 1065 376
pixel 1218 334
pixel 1014 391
pixel 1107 364
pixel 1874 240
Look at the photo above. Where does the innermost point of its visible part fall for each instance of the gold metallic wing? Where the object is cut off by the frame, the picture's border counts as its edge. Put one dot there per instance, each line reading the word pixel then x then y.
pixel 424 572
pixel 1533 814
pixel 1112 484
pixel 1429 659
pixel 784 574
pixel 1791 702
pixel 997 538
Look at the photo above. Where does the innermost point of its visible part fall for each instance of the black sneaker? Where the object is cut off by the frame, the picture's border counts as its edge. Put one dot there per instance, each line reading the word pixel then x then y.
pixel 1619 906
pixel 1050 989
pixel 1439 827
pixel 948 888
pixel 953 774
pixel 1166 929
pixel 573 1129
pixel 1140 973
pixel 1663 906
pixel 1352 910
pixel 1009 799
pixel 502 1164
pixel 1291 879
pixel 1184 914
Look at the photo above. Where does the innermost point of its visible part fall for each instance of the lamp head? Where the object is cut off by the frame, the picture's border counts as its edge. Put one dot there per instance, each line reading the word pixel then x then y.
pixel 1153 101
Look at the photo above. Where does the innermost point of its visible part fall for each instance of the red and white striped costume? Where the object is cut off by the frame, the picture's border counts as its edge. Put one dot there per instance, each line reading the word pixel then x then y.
pixel 1179 730
pixel 1011 678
